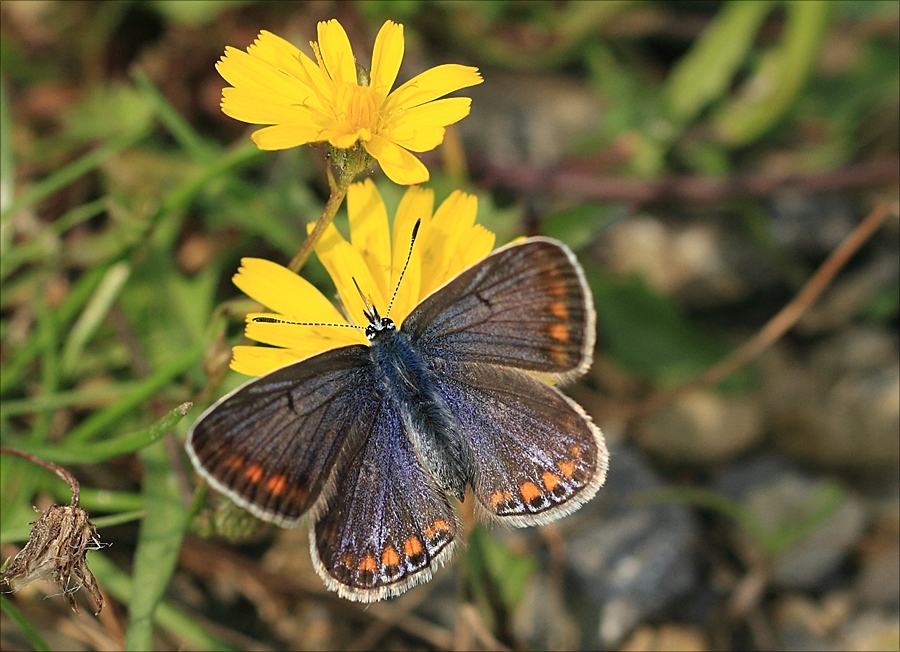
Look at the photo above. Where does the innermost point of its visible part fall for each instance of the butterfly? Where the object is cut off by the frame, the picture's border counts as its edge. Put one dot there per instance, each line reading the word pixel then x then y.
pixel 373 442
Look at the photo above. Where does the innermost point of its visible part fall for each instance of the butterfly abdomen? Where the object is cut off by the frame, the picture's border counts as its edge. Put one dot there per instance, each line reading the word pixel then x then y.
pixel 429 424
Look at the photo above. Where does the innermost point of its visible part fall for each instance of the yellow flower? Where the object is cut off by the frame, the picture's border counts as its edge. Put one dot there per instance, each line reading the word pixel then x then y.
pixel 306 101
pixel 448 241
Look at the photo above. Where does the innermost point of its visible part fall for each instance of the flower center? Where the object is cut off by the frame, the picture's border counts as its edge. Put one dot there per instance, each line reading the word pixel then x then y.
pixel 356 105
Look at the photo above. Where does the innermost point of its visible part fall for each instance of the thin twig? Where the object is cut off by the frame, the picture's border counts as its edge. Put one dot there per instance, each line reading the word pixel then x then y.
pixel 58 470
pixel 782 321
pixel 337 192
pixel 470 616
pixel 399 610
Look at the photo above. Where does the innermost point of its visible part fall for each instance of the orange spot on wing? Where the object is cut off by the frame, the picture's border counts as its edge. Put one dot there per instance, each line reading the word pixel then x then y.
pixel 559 354
pixel 550 480
pixel 440 525
pixel 276 484
pixel 529 491
pixel 558 309
pixel 499 497
pixel 254 473
pixel 297 494
pixel 559 332
pixel 558 289
pixel 234 462
pixel 390 556
pixel 412 547
pixel 368 563
pixel 575 450
pixel 567 468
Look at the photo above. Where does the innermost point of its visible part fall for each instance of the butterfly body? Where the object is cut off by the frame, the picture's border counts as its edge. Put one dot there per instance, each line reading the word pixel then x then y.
pixel 408 383
pixel 372 441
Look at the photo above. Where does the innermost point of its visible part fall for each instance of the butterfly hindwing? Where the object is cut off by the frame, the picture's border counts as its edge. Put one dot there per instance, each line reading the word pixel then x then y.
pixel 387 526
pixel 271 444
pixel 539 456
pixel 526 305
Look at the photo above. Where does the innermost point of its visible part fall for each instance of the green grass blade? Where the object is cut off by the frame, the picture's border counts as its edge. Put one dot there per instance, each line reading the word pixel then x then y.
pixel 7 166
pixel 93 314
pixel 74 170
pixel 782 73
pixel 189 140
pixel 712 500
pixel 119 585
pixel 18 364
pixel 30 632
pixel 158 544
pixel 105 419
pixel 106 500
pixel 74 398
pixel 705 72
pixel 93 453
pixel 37 248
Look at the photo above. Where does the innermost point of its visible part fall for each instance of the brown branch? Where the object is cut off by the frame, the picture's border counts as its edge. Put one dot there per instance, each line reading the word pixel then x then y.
pixel 58 470
pixel 783 320
pixel 687 189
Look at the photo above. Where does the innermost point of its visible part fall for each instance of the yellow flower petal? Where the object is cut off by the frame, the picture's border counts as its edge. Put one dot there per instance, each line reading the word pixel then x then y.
pixel 421 128
pixel 386 58
pixel 453 218
pixel 285 57
pixel 399 165
pixel 260 360
pixel 342 136
pixel 284 292
pixel 286 135
pixel 242 70
pixel 337 55
pixel 370 232
pixel 280 54
pixel 481 242
pixel 259 108
pixel 432 84
pixel 344 263
pixel 417 204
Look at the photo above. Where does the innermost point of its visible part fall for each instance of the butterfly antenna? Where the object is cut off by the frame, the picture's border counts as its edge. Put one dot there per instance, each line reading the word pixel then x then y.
pixel 275 320
pixel 367 312
pixel 412 241
pixel 370 312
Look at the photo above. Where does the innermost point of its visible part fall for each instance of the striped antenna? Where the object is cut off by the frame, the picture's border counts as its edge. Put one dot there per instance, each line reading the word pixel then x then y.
pixel 412 241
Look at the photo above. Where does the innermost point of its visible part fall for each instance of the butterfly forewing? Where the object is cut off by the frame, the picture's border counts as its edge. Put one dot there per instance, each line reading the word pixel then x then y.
pixel 387 526
pixel 270 445
pixel 525 306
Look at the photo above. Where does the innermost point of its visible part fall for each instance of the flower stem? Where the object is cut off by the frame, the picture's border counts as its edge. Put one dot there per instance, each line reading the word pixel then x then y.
pixel 348 164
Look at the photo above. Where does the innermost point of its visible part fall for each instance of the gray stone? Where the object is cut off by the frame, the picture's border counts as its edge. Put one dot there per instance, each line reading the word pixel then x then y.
pixel 529 119
pixel 779 496
pixel 871 630
pixel 841 409
pixel 811 223
pixel 697 263
pixel 630 562
pixel 702 427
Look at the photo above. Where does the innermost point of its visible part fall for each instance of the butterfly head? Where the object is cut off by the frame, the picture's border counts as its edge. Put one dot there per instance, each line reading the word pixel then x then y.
pixel 377 324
